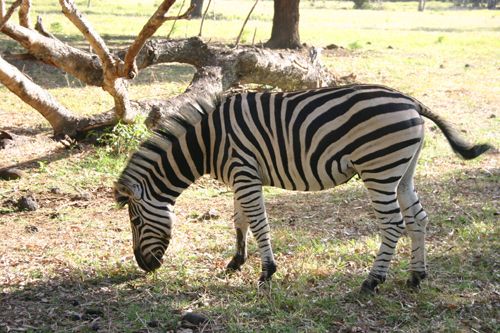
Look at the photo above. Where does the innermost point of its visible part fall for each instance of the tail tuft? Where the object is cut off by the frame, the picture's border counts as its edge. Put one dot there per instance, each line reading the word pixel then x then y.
pixel 469 153
pixel 464 149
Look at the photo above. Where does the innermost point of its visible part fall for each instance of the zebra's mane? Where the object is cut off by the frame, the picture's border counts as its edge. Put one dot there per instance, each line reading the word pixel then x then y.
pixel 175 123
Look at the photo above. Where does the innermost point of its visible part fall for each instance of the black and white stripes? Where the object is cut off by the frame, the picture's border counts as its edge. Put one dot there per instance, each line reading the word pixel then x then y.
pixel 306 140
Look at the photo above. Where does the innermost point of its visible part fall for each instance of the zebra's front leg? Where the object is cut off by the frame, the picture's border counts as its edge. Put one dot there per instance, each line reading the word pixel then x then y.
pixel 391 223
pixel 241 228
pixel 251 202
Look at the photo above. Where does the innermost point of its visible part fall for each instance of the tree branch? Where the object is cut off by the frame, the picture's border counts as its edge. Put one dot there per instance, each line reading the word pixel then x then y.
pixel 41 29
pixel 84 66
pixel 95 41
pixel 8 14
pixel 61 120
pixel 24 14
pixel 156 20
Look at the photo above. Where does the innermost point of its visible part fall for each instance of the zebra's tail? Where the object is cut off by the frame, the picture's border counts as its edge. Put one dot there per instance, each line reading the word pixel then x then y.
pixel 464 149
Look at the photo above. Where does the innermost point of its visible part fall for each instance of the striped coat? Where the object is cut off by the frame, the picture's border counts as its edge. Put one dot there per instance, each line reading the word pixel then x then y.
pixel 305 140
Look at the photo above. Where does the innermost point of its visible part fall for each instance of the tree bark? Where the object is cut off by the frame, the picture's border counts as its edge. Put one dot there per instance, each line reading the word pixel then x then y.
pixel 285 32
pixel 198 10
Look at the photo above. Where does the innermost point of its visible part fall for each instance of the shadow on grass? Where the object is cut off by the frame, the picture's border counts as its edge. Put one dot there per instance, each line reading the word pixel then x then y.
pixel 456 199
pixel 54 156
pixel 460 293
pixel 459 296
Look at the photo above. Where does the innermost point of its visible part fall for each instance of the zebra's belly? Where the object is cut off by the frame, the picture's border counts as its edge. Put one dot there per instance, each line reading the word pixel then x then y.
pixel 305 179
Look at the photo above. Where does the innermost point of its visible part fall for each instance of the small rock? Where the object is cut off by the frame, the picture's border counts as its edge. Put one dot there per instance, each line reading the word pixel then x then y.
pixel 30 229
pixel 55 190
pixel 5 139
pixel 74 315
pixel 191 319
pixel 84 196
pixel 390 47
pixel 27 202
pixel 11 174
pixel 492 116
pixel 4 143
pixel 212 214
pixel 94 312
pixel 333 47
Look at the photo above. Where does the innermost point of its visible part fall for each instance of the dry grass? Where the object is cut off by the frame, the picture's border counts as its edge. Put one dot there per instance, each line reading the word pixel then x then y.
pixel 68 267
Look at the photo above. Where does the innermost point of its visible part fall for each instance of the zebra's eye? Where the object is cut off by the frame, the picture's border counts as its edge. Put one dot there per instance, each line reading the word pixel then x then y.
pixel 136 221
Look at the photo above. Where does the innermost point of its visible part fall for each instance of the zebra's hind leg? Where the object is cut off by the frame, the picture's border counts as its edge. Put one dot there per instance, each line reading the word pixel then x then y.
pixel 241 228
pixel 416 223
pixel 388 213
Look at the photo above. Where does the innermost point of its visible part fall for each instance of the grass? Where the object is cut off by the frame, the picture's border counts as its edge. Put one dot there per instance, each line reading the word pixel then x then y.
pixel 75 270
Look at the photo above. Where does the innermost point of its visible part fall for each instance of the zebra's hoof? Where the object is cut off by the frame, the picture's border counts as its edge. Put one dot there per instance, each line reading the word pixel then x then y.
pixel 235 263
pixel 415 278
pixel 369 288
pixel 370 285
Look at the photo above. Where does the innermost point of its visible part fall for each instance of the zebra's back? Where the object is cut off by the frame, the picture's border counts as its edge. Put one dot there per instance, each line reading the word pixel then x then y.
pixel 316 139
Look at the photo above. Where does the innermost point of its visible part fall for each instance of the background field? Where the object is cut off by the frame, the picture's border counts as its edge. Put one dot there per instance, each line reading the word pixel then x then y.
pixel 69 267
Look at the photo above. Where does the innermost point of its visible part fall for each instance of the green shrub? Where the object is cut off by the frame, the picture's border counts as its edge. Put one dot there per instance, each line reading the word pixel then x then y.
pixel 125 138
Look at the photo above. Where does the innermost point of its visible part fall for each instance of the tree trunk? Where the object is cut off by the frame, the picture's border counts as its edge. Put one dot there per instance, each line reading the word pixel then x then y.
pixel 285 32
pixel 198 10
pixel 421 5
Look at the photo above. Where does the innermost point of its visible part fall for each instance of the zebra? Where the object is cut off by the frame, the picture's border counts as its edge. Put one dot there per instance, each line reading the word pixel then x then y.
pixel 308 140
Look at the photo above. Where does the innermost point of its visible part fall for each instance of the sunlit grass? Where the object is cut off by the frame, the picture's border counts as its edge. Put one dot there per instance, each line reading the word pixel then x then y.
pixel 324 242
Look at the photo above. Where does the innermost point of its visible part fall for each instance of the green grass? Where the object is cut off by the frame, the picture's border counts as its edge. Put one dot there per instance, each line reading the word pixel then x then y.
pixel 81 258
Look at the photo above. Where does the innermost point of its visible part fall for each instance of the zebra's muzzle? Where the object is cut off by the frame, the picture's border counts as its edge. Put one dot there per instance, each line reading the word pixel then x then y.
pixel 148 262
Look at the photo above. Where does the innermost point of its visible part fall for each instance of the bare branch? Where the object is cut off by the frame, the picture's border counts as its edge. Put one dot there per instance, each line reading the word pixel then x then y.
pixel 84 66
pixel 9 12
pixel 41 29
pixel 245 23
pixel 61 120
pixel 203 18
pixel 24 13
pixel 156 20
pixel 95 41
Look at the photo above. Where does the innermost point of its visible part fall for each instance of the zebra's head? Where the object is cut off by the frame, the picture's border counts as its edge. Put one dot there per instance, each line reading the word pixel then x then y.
pixel 151 223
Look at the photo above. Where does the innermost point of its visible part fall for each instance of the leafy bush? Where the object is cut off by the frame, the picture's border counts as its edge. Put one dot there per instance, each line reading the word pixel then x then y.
pixel 125 138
